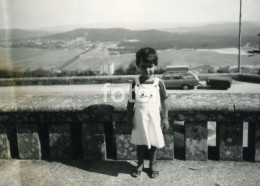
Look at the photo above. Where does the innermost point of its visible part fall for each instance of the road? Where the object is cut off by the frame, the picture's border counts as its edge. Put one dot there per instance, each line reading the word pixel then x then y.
pixel 236 87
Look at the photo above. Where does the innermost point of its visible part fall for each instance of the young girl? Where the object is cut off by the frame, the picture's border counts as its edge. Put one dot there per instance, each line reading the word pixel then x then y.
pixel 147 94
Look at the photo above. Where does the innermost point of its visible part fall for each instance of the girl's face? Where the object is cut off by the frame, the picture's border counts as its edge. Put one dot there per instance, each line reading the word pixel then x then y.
pixel 146 69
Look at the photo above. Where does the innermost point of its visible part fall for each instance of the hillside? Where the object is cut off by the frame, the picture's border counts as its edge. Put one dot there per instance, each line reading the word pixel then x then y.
pixel 155 38
pixel 224 35
pixel 112 34
pixel 208 36
pixel 19 34
pixel 248 28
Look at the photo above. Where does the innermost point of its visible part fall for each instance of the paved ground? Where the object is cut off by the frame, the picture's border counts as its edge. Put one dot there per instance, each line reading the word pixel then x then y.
pixel 93 89
pixel 176 172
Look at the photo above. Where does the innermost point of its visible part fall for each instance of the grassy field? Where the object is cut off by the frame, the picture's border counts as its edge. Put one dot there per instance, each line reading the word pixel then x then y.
pixel 166 57
pixel 21 58
pixel 93 59
pixel 48 59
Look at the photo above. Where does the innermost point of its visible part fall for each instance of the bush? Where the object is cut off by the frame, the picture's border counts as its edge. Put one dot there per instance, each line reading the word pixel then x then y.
pixel 224 69
pixel 133 70
pixel 8 73
pixel 205 69
pixel 160 70
pixel 37 73
pixel 119 71
pixel 210 69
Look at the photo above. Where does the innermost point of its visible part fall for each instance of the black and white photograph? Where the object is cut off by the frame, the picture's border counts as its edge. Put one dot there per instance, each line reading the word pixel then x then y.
pixel 140 92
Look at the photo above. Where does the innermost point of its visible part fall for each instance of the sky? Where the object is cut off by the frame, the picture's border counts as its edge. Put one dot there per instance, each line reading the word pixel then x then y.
pixel 29 14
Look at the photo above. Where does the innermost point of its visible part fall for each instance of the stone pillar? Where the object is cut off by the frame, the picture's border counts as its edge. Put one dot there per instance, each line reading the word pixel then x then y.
pixel 94 147
pixel 28 140
pixel 167 152
pixel 230 140
pixel 196 135
pixel 60 140
pixel 124 149
pixel 4 143
pixel 93 131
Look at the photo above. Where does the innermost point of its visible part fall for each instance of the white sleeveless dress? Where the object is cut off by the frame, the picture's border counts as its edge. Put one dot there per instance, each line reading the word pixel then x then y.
pixel 147 118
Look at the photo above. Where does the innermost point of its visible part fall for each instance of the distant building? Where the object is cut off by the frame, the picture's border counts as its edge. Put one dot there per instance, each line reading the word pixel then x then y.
pixel 107 69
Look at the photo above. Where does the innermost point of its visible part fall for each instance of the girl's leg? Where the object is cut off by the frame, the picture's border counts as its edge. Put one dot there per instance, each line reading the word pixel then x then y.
pixel 140 156
pixel 153 157
pixel 153 160
pixel 141 149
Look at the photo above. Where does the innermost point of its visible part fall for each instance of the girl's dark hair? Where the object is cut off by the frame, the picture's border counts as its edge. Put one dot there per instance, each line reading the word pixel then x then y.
pixel 147 55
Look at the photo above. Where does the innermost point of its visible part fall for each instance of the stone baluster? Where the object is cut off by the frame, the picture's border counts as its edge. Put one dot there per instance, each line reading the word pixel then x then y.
pixel 93 131
pixel 195 135
pixel 60 135
pixel 125 150
pixel 253 119
pixel 5 152
pixel 27 136
pixel 167 152
pixel 196 140
pixel 230 135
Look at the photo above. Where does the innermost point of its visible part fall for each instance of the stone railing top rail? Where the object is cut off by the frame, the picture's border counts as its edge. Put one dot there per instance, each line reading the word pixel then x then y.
pixel 222 102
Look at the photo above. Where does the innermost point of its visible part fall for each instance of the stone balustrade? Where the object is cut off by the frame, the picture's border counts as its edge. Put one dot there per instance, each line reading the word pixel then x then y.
pixel 84 127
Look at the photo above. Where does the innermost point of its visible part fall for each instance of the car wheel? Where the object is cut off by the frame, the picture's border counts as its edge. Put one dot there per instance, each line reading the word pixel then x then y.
pixel 185 87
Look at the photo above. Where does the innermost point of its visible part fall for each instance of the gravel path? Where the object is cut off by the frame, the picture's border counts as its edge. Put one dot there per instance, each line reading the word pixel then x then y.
pixel 176 172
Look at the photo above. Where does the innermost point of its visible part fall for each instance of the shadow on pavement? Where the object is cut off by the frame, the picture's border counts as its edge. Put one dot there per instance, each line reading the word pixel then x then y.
pixel 111 168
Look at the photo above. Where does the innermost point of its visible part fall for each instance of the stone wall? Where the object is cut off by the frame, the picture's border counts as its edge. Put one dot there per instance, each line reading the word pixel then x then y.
pixel 90 129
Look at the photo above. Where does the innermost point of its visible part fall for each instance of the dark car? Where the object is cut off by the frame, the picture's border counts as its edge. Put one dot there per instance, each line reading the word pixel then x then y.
pixel 222 83
pixel 180 80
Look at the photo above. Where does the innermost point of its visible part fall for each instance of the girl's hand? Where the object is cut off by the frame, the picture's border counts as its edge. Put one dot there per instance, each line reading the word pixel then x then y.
pixel 165 124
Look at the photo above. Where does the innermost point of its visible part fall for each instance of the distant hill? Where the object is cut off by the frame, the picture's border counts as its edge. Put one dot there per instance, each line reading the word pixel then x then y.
pixel 248 28
pixel 113 34
pixel 221 35
pixel 18 34
pixel 224 35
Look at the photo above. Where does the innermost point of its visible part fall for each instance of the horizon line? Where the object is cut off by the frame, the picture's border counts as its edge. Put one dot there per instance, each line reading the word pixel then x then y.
pixel 133 25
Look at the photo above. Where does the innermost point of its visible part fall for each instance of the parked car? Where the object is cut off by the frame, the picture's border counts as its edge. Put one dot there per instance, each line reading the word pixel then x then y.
pixel 222 83
pixel 186 80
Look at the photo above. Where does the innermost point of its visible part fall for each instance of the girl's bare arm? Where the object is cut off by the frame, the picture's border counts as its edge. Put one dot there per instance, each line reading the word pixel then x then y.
pixel 165 121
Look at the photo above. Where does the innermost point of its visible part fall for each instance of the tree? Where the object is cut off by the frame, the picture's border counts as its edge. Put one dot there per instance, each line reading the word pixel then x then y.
pixel 131 69
pixel 119 71
pixel 224 69
pixel 160 70
pixel 255 52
